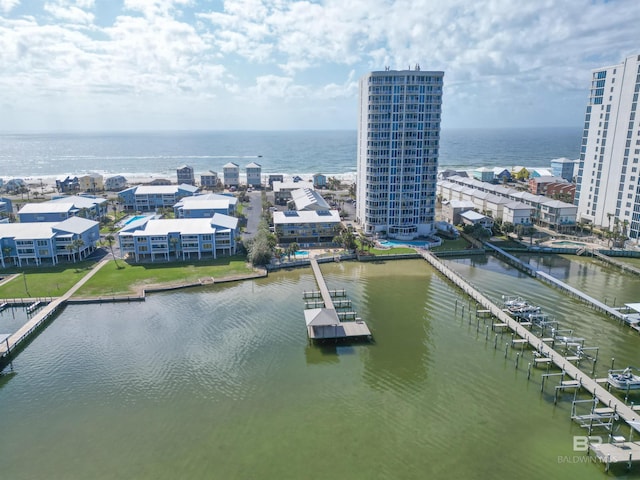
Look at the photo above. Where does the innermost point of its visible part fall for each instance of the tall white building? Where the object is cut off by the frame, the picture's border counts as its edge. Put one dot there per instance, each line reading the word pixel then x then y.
pixel 608 176
pixel 398 144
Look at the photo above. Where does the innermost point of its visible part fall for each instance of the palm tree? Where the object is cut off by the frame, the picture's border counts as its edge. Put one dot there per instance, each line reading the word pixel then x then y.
pixel 76 245
pixel 174 241
pixel 110 239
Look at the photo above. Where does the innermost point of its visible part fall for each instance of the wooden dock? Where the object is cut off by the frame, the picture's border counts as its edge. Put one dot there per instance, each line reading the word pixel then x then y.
pixel 325 323
pixel 625 412
pixel 44 314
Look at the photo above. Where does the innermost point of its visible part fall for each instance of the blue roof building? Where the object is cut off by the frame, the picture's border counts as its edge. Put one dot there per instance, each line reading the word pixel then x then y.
pixel 149 198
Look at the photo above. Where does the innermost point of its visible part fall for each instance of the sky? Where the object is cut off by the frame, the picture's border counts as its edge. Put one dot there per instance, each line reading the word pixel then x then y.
pixel 138 65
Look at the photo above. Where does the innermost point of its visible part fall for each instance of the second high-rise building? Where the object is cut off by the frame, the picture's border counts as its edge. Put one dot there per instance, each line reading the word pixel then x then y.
pixel 398 145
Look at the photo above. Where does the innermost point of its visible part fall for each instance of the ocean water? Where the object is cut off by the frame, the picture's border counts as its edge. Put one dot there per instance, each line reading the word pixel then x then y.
pixel 303 152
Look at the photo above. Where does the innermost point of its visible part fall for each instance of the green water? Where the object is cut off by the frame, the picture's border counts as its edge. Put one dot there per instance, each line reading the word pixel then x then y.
pixel 221 383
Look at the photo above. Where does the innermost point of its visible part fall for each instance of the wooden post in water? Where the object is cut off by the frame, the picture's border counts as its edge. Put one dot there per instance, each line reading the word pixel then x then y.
pixel 506 349
pixel 613 361
pixel 517 359
pixel 529 371
pixel 495 342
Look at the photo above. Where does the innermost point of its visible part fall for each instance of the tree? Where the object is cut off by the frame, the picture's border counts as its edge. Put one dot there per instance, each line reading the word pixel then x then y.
pixel 78 243
pixel 174 241
pixel 110 239
pixel 345 238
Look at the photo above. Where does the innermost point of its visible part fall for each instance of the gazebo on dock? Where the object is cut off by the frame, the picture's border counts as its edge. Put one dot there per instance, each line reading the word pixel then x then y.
pixel 322 323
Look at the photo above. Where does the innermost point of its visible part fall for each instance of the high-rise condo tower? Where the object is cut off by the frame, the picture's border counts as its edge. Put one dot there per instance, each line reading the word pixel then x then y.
pixel 398 144
pixel 608 190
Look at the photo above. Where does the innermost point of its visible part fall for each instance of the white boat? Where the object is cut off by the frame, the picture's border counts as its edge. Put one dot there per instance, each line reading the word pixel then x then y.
pixel 624 379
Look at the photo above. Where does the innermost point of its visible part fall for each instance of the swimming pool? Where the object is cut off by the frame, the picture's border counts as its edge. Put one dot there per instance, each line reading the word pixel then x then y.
pixel 567 243
pixel 302 253
pixel 133 219
pixel 399 243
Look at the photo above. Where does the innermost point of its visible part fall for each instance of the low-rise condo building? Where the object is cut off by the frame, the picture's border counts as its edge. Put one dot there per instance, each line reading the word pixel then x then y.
pixel 148 198
pixel 205 206
pixel 306 227
pixel 58 209
pixel 48 243
pixel 164 239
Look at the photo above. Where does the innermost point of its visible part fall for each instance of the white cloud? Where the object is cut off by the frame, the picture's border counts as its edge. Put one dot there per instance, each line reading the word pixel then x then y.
pixel 7 5
pixel 496 54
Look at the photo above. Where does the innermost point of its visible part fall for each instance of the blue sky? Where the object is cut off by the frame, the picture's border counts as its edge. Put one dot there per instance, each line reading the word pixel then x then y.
pixel 279 64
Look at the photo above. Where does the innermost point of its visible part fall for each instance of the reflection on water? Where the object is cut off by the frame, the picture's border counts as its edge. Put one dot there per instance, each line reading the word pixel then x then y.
pixel 221 382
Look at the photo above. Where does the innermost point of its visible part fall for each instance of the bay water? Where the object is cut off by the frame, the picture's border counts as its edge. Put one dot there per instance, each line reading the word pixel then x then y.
pixel 221 382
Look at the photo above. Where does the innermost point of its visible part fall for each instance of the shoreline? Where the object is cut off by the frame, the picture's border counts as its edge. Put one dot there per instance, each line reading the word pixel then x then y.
pixel 48 182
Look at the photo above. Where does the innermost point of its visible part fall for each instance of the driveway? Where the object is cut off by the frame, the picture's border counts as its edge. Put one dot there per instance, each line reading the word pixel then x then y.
pixel 253 212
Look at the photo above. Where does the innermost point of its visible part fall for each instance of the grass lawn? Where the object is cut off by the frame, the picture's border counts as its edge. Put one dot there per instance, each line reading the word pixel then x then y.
pixel 126 279
pixel 45 282
pixel 457 244
pixel 390 251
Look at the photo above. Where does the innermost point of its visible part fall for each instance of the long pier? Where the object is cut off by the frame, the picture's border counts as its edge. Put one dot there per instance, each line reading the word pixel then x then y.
pixel 621 265
pixel 583 296
pixel 584 381
pixel 325 323
pixel 45 313
pixel 322 285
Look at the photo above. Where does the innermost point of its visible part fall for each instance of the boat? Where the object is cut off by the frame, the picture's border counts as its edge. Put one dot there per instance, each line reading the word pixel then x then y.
pixel 624 379
pixel 519 307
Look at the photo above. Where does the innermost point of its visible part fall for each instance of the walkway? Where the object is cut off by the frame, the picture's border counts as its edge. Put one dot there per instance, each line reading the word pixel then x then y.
pixel 47 311
pixel 589 384
pixel 324 291
pixel 617 263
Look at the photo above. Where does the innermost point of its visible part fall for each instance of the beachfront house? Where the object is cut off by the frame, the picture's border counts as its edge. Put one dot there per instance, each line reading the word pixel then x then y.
pixel 149 198
pixel 519 173
pixel 231 174
pixel 67 184
pixel 319 180
pixel 205 206
pixel 115 183
pixel 306 227
pixel 209 180
pixel 563 168
pixel 164 239
pixel 254 174
pixel 185 175
pixel 92 182
pixel 501 175
pixel 64 207
pixel 48 243
pixel 484 174
pixel 540 172
pixel 15 185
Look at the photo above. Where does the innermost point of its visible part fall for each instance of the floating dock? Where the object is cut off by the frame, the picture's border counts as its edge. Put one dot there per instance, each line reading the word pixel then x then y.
pixel 325 323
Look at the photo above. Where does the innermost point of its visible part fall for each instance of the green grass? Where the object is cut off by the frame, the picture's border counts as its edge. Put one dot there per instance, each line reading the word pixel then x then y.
pixel 457 244
pixel 111 280
pixel 390 251
pixel 44 281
